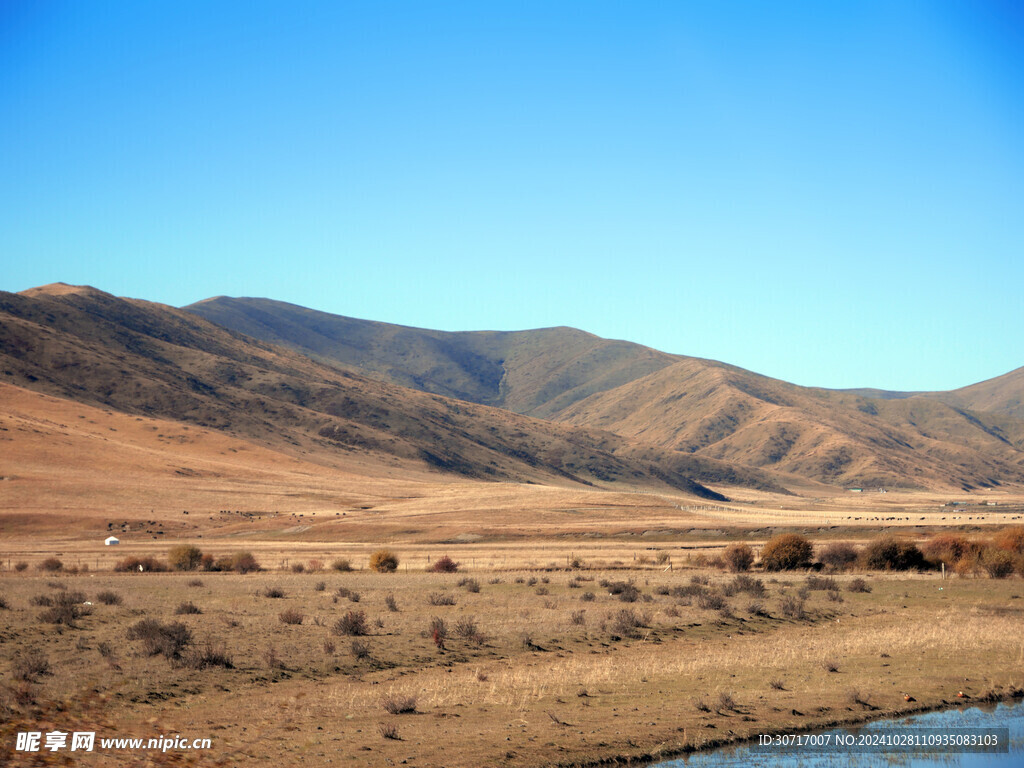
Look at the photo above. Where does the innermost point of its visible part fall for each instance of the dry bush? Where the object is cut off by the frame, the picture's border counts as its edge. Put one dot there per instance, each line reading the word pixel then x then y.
pixel 443 564
pixel 185 557
pixel 859 585
pixel 1011 539
pixel 587 597
pixel 41 600
pixel 777 685
pixel 624 590
pixel 542 591
pixel 440 598
pixel 726 703
pixel 701 704
pixel 315 566
pixel 194 583
pixel 467 629
pixel 758 609
pixel 65 608
pixel 341 565
pixel 793 607
pixel 352 623
pixel 359 650
pixel 389 601
pixel 738 557
pixel 329 647
pixel 29 666
pixel 320 586
pixel 839 555
pixel 384 561
pixel 823 584
pixel 187 608
pixel 244 562
pixel 438 631
pixel 140 565
pixel 830 665
pixel 750 585
pixel 786 552
pixel 273 592
pixel 834 595
pixel 949 549
pixel 290 616
pixel 167 640
pixel 51 565
pixel 626 622
pixel 710 601
pixel 998 563
pixel 20 566
pixel 578 618
pixel 471 585
pixel 210 655
pixel 4 605
pixel 892 554
pixel 298 567
pixel 854 696
pixel 389 731
pixel 398 705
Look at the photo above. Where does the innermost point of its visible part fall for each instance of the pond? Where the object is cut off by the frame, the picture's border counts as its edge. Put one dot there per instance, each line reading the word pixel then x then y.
pixel 983 723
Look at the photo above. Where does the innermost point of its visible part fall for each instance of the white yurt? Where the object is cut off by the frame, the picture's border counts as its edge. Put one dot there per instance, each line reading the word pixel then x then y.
pixel 111 540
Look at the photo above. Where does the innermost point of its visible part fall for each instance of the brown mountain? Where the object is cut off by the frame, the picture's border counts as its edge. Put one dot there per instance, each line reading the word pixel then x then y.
pixel 969 438
pixel 142 358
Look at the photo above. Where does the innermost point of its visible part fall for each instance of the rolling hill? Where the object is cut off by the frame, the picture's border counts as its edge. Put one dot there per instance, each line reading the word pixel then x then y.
pixel 137 357
pixel 965 439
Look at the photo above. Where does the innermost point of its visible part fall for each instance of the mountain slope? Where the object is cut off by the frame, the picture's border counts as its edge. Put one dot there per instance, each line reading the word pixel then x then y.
pixel 532 372
pixel 144 358
pixel 969 438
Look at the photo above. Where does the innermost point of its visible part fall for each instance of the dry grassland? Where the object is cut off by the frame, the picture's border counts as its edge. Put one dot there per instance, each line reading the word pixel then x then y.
pixel 532 670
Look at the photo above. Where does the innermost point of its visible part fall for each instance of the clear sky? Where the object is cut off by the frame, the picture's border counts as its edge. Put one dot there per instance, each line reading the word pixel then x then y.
pixel 828 193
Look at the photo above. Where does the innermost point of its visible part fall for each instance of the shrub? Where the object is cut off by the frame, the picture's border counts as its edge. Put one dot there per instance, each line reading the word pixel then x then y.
pixel 290 616
pixel 710 601
pixel 578 618
pixel 360 650
pixel 758 609
pixel 625 591
pixel 108 597
pixel 65 609
pixel 188 607
pixel 891 554
pixel 209 655
pixel 298 568
pixel 194 583
pixel 726 702
pixel 185 557
pixel 786 552
pixel 440 598
pixel 744 583
pixel 859 585
pixel 587 597
pixel 438 631
pixel 315 566
pixel 352 623
pixel 273 592
pixel 20 566
pixel 389 601
pixel 820 583
pixel 389 731
pixel 998 563
pixel 167 640
pixel 1011 539
pixel 793 607
pixel 471 585
pixel 466 628
pixel 244 562
pixel 443 564
pixel 949 549
pixel 839 555
pixel 384 561
pixel 738 557
pixel 29 666
pixel 398 705
pixel 51 565
pixel 140 564
pixel 4 605
pixel 625 622
pixel 341 565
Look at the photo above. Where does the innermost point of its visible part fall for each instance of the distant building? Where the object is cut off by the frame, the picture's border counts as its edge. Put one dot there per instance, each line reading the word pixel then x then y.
pixel 111 540
pixel 856 490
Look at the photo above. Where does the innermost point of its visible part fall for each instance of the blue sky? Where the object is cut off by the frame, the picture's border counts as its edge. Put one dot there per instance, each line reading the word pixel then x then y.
pixel 828 193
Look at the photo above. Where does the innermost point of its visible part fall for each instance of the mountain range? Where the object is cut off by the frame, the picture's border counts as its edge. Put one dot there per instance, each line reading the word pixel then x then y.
pixel 549 406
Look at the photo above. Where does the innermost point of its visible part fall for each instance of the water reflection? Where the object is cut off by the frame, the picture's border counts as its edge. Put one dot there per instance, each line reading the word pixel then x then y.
pixel 1000 716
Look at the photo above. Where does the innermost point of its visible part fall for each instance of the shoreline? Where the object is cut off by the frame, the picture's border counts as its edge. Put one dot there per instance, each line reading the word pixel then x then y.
pixel 1013 694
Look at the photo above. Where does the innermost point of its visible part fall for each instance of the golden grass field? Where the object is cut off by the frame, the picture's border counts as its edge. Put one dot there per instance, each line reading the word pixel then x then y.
pixel 540 674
